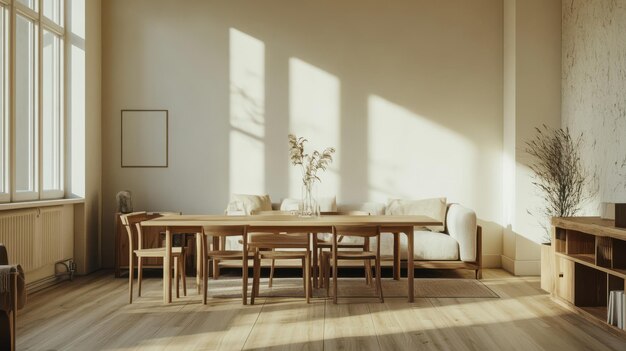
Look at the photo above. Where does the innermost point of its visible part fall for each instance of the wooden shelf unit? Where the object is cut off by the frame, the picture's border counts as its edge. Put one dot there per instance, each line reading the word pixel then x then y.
pixel 589 262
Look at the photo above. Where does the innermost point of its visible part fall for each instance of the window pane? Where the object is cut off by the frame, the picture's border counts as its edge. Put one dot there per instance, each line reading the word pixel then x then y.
pixel 25 104
pixel 51 121
pixel 4 83
pixel 53 9
pixel 33 4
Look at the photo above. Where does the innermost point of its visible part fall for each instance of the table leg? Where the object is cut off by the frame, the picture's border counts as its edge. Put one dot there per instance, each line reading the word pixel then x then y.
pixel 199 259
pixel 410 263
pixel 396 256
pixel 167 267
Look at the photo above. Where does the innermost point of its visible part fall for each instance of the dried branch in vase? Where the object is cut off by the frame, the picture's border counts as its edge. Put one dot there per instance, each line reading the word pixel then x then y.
pixel 559 174
pixel 311 164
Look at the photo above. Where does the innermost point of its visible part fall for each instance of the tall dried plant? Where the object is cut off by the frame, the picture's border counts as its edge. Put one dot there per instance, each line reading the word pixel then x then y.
pixel 309 164
pixel 559 174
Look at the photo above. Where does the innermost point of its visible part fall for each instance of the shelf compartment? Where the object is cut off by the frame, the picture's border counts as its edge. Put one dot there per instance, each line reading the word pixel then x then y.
pixel 559 239
pixel 580 243
pixel 619 254
pixel 604 251
pixel 590 286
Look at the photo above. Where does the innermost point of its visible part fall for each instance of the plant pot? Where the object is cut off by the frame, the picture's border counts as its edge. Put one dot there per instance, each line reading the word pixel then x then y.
pixel 547 268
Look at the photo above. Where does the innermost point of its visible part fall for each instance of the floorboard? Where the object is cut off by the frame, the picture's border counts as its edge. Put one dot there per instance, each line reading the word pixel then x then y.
pixel 92 313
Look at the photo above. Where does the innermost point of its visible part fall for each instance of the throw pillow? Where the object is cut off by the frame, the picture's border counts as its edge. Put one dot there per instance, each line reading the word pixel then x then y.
pixel 251 203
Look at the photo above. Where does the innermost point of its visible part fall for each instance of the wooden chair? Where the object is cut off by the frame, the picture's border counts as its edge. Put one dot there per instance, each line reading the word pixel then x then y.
pixel 330 259
pixel 132 223
pixel 268 246
pixel 220 254
pixel 321 244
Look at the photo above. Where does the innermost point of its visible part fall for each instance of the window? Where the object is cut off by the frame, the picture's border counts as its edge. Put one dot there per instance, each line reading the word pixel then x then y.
pixel 31 51
pixel 4 105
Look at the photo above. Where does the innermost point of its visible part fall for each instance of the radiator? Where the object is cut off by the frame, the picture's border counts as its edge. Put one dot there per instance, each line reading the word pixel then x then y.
pixel 33 237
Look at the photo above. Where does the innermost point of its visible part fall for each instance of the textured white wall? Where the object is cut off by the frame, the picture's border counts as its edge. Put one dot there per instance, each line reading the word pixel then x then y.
pixel 409 92
pixel 594 90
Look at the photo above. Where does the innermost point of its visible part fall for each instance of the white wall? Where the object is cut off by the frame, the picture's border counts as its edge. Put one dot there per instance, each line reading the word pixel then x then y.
pixel 532 97
pixel 409 92
pixel 594 90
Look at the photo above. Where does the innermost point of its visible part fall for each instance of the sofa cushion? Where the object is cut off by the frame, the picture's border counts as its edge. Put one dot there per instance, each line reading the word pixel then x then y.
pixel 327 204
pixel 252 203
pixel 434 208
pixel 461 225
pixel 427 246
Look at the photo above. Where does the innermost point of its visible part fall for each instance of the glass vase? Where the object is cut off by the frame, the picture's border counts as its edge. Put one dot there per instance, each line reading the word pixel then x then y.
pixel 308 206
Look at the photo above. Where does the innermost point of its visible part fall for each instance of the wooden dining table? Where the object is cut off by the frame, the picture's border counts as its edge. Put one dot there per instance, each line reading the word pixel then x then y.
pixel 294 224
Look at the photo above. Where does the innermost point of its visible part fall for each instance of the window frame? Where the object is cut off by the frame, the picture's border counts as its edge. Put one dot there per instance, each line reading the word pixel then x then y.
pixel 5 66
pixel 42 23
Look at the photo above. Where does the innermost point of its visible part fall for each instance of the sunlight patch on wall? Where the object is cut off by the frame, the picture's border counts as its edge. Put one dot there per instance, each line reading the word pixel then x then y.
pixel 413 157
pixel 314 98
pixel 247 113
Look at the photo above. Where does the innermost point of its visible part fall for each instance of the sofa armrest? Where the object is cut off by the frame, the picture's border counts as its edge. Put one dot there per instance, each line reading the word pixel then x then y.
pixel 461 225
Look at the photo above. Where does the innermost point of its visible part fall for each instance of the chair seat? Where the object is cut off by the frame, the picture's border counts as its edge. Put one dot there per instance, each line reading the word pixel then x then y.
pixel 353 255
pixel 277 245
pixel 323 244
pixel 158 252
pixel 282 254
pixel 233 254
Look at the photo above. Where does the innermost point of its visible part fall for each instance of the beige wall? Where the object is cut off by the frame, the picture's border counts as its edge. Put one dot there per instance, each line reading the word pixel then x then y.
pixel 532 97
pixel 409 92
pixel 84 128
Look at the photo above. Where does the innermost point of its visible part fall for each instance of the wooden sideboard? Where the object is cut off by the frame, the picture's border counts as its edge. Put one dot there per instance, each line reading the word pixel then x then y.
pixel 589 262
pixel 151 238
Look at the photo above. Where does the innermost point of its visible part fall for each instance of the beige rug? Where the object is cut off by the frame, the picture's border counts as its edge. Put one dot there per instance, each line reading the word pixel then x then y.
pixel 355 287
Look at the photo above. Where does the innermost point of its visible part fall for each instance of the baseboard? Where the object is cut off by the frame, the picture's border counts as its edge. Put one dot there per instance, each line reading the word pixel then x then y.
pixel 521 268
pixel 492 261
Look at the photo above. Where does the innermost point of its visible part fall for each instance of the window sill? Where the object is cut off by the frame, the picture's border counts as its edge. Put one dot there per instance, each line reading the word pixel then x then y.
pixel 40 203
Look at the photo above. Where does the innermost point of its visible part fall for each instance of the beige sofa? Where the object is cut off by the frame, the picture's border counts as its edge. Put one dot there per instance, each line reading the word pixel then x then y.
pixel 455 245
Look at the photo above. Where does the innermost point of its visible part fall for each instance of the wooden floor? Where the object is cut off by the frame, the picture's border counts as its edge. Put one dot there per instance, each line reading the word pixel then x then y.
pixel 92 313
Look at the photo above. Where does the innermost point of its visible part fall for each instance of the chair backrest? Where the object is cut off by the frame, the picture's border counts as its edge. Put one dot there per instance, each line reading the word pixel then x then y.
pixel 272 237
pixel 226 230
pixel 365 231
pixel 130 221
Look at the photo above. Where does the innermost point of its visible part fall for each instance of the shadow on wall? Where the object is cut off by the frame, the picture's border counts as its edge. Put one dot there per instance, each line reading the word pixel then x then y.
pixel 412 103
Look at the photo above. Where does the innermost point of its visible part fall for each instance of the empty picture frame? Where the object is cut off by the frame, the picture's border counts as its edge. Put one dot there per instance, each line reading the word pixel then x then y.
pixel 144 138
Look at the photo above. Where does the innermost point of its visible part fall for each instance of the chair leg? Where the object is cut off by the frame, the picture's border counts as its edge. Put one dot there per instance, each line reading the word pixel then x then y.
pixel 304 274
pixel 479 274
pixel 367 265
pixel 176 275
pixel 327 274
pixel 271 280
pixel 139 275
pixel 379 280
pixel 255 277
pixel 130 279
pixel 184 274
pixel 244 277
pixel 321 271
pixel 335 274
pixel 205 281
pixel 307 274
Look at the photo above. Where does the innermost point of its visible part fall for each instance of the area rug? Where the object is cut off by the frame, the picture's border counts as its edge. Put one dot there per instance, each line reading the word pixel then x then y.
pixel 424 288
